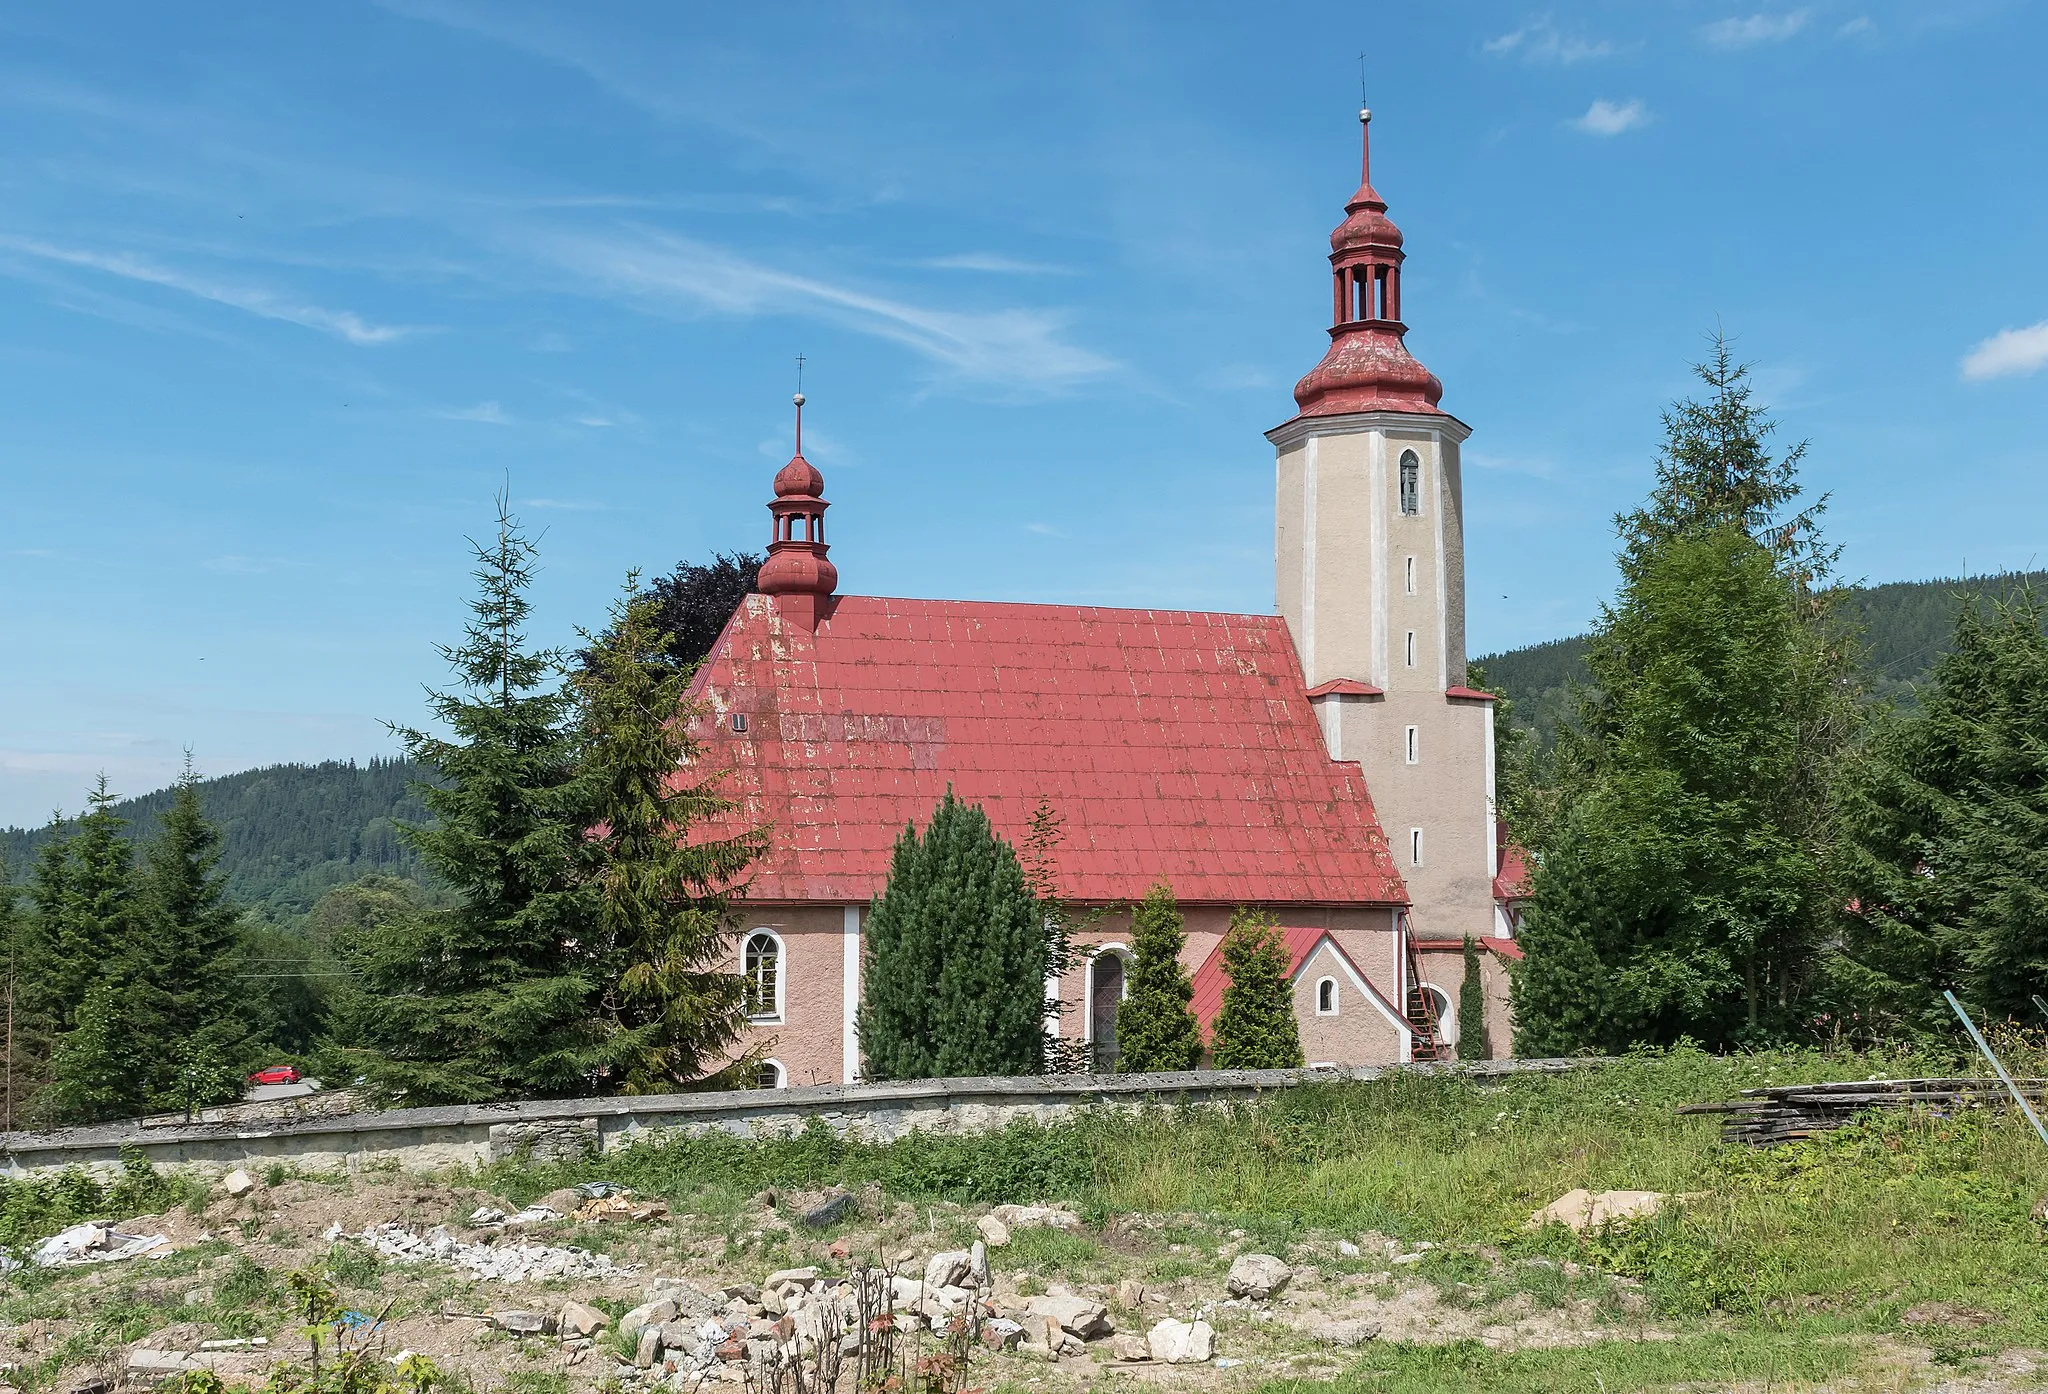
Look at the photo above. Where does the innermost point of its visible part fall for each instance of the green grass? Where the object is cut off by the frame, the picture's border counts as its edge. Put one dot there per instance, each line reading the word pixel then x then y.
pixel 1612 1367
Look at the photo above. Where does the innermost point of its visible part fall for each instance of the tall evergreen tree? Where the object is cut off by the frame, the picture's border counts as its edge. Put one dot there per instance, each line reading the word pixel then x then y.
pixel 493 998
pixel 97 932
pixel 957 950
pixel 664 940
pixel 49 984
pixel 1694 790
pixel 1255 1028
pixel 1945 847
pixel 189 927
pixel 1473 1041
pixel 1563 994
pixel 1154 1028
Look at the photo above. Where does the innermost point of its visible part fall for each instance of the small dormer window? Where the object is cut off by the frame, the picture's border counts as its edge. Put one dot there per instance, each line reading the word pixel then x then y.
pixel 738 722
pixel 1411 483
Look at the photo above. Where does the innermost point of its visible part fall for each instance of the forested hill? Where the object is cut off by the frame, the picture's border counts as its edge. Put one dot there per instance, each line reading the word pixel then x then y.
pixel 1905 624
pixel 290 832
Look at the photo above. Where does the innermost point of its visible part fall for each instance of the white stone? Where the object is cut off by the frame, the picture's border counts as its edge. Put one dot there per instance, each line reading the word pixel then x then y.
pixel 993 1230
pixel 905 1293
pixel 1181 1342
pixel 1257 1276
pixel 238 1183
pixel 1036 1216
pixel 1581 1210
pixel 1347 1249
pixel 1083 1316
pixel 977 1265
pixel 645 1315
pixel 946 1269
pixel 581 1319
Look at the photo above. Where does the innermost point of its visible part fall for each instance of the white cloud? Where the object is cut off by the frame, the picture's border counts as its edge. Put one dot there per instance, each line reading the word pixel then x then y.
pixel 1014 348
pixel 1538 41
pixel 489 413
pixel 996 263
pixel 1744 32
pixel 344 324
pixel 1859 25
pixel 1605 118
pixel 2008 353
pixel 595 421
pixel 1044 529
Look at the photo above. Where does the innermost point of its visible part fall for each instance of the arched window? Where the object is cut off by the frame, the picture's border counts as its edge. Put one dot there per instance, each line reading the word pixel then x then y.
pixel 761 966
pixel 771 1075
pixel 1411 483
pixel 1326 997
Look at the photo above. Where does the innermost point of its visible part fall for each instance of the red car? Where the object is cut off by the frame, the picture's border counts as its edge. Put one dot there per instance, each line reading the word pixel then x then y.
pixel 276 1074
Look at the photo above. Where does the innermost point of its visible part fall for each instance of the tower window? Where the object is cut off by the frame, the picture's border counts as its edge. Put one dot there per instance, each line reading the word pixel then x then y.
pixel 739 722
pixel 1411 483
pixel 1326 997
pixel 1411 575
pixel 1415 753
pixel 1415 847
pixel 1411 648
pixel 761 967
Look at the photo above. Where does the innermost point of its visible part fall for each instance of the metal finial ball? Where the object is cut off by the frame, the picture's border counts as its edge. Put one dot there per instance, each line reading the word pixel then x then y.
pixel 798 399
pixel 1364 114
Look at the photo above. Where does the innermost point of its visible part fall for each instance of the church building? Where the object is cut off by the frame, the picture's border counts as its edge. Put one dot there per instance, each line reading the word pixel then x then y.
pixel 1327 762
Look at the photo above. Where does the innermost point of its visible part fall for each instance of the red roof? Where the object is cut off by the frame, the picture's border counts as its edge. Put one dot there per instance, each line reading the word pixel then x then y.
pixel 1173 744
pixel 1513 881
pixel 1301 944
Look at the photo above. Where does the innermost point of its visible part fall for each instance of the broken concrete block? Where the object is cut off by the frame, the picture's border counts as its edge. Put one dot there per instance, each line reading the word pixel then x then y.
pixel 238 1183
pixel 1257 1276
pixel 977 1265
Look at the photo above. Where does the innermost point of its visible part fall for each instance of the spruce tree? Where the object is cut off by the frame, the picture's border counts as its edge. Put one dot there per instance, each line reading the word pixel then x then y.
pixel 1694 788
pixel 96 932
pixel 1473 1043
pixel 1563 997
pixel 1154 1028
pixel 957 949
pixel 1256 1028
pixel 671 1000
pixel 49 988
pixel 493 998
pixel 188 942
pixel 1945 847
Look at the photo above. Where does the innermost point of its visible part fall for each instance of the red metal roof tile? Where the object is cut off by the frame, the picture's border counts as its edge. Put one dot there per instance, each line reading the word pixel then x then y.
pixel 1193 727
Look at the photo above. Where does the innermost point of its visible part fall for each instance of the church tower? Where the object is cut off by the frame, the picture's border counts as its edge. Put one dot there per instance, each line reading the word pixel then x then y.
pixel 1369 573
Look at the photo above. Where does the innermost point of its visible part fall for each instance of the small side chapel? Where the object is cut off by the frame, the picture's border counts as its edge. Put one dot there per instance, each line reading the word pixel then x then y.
pixel 1327 763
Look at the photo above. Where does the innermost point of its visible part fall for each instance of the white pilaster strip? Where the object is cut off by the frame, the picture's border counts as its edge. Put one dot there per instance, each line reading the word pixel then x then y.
pixel 849 993
pixel 1441 495
pixel 1308 560
pixel 1492 810
pixel 1376 464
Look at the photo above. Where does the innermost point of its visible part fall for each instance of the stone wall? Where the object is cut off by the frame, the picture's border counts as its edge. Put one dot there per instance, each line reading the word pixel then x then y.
pixel 466 1136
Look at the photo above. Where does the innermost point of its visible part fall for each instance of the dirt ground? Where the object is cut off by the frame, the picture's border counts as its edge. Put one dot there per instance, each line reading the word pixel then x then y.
pixel 133 1323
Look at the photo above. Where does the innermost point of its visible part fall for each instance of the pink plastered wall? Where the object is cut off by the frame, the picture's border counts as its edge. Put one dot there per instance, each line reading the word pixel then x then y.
pixel 809 1039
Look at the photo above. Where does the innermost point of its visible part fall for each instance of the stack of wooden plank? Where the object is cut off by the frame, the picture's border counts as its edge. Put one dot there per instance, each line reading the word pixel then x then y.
pixel 1788 1112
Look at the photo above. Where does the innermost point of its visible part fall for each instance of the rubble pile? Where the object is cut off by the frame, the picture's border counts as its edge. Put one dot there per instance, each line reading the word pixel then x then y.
pixel 519 1262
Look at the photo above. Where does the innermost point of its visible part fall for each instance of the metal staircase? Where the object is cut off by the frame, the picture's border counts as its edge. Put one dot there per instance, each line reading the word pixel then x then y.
pixel 1419 1007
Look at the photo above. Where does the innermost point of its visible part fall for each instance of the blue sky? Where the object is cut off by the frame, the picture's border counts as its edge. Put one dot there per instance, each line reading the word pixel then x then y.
pixel 287 291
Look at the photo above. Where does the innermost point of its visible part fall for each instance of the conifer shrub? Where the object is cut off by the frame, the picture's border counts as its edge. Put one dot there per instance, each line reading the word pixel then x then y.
pixel 1256 1028
pixel 1154 1028
pixel 1473 1043
pixel 957 949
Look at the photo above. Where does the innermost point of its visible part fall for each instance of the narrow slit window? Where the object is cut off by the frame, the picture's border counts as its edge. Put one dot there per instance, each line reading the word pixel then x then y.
pixel 1411 575
pixel 1411 648
pixel 1414 745
pixel 1411 483
pixel 1415 847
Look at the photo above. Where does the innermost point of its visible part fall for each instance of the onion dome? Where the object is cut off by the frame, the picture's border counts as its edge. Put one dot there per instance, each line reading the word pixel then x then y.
pixel 796 564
